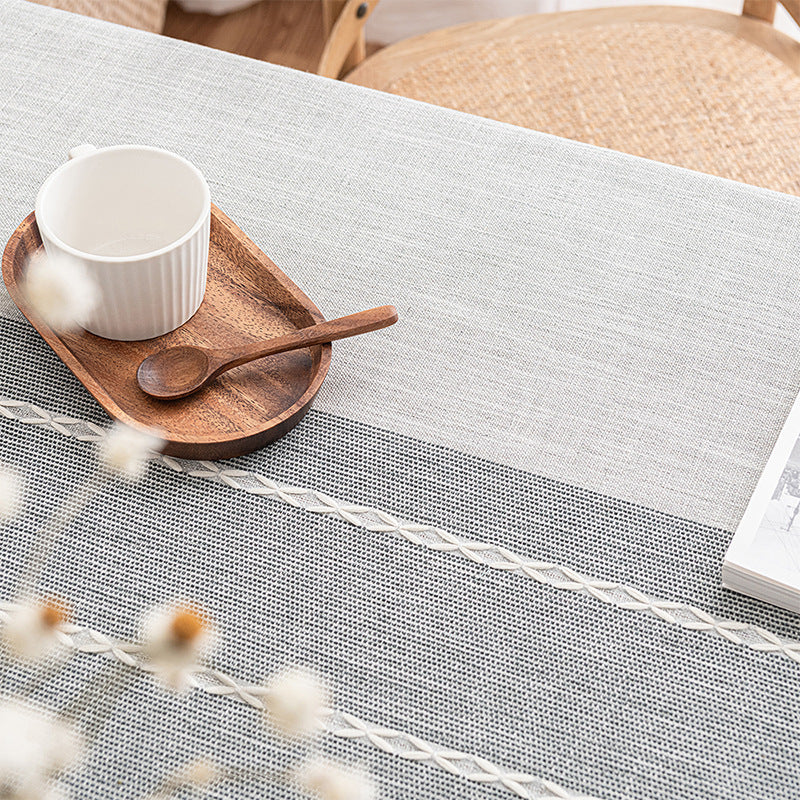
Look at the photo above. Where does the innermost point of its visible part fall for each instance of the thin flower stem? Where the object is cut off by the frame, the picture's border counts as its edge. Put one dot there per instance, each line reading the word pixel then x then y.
pixel 6 664
pixel 177 781
pixel 47 537
pixel 92 706
pixel 242 773
pixel 45 672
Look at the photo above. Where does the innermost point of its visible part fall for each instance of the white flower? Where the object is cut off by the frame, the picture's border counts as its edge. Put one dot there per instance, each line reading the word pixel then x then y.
pixel 59 290
pixel 331 781
pixel 33 747
pixel 198 774
pixel 296 702
pixel 10 493
pixel 201 772
pixel 125 451
pixel 31 631
pixel 175 639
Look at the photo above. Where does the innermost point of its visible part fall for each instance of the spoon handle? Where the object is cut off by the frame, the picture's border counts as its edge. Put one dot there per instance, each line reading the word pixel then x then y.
pixel 363 322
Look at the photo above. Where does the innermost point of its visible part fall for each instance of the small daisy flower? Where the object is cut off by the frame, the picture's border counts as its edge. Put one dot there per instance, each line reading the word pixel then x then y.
pixel 33 748
pixel 125 451
pixel 295 702
pixel 202 772
pixel 175 639
pixel 10 493
pixel 60 291
pixel 198 774
pixel 31 632
pixel 330 781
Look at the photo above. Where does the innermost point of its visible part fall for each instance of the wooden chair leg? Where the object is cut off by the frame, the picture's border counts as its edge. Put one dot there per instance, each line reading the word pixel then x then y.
pixel 765 9
pixel 345 47
pixel 760 9
pixel 793 7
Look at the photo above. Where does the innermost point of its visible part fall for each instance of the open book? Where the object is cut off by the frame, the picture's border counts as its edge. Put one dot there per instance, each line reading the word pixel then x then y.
pixel 763 559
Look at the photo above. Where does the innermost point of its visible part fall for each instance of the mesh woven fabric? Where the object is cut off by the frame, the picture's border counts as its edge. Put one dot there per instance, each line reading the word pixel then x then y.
pixel 603 701
pixel 139 733
pixel 662 555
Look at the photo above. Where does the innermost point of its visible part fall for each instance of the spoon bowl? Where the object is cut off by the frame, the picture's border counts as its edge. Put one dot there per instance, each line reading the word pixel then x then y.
pixel 175 372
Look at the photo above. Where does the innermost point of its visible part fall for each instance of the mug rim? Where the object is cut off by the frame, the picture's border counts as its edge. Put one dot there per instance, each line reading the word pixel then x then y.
pixel 44 228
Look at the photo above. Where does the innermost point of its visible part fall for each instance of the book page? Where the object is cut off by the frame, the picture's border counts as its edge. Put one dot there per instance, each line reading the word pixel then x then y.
pixel 767 540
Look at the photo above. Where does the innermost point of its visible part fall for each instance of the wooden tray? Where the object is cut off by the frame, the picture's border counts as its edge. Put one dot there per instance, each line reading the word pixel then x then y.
pixel 247 298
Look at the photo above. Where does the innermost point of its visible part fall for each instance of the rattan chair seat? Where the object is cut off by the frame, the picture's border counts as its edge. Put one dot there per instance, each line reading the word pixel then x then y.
pixel 688 95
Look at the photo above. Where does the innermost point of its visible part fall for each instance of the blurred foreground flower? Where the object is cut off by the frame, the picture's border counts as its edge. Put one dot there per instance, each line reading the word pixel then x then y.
pixel 60 291
pixel 296 702
pixel 10 493
pixel 202 772
pixel 175 639
pixel 31 632
pixel 198 774
pixel 330 781
pixel 33 748
pixel 125 451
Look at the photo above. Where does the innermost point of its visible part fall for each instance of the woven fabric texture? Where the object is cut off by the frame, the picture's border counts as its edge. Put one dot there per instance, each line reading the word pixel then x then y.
pixel 141 733
pixel 682 94
pixel 570 317
pixel 602 701
pixel 147 15
pixel 565 310
pixel 475 499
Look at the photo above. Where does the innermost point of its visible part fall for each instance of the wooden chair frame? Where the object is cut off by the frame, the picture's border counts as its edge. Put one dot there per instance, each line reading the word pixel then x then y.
pixel 765 9
pixel 345 48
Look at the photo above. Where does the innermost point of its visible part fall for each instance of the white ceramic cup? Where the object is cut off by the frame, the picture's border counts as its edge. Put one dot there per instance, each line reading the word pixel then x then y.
pixel 138 220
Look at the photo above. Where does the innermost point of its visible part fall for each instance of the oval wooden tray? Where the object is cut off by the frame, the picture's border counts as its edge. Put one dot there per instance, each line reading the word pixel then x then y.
pixel 247 299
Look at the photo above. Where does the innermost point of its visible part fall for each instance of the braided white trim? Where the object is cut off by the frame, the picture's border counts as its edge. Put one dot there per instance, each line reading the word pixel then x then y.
pixel 338 723
pixel 432 538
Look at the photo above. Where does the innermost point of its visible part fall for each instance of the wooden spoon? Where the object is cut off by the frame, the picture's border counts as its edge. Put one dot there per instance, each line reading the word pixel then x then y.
pixel 180 371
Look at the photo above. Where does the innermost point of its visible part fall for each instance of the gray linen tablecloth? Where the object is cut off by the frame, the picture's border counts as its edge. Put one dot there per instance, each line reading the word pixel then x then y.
pixel 501 528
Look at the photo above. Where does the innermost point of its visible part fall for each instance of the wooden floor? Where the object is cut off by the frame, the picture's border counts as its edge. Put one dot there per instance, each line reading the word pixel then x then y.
pixel 287 32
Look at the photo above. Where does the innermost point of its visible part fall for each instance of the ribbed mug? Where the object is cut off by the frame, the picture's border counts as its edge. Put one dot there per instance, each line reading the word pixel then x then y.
pixel 138 220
